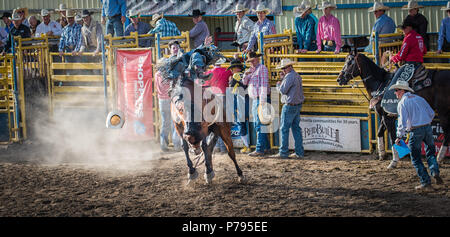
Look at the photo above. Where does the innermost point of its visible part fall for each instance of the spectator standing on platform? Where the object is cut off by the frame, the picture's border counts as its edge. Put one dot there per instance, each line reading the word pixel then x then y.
pixel 200 31
pixel 415 116
pixel 62 15
pixel 116 12
pixel 19 29
pixel 291 89
pixel 91 32
pixel 257 80
pixel 263 25
pixel 71 39
pixel 162 87
pixel 419 20
pixel 329 30
pixel 243 28
pixel 8 23
pixel 305 27
pixel 163 26
pixel 141 27
pixel 23 12
pixel 48 26
pixel 444 32
pixel 383 23
pixel 33 24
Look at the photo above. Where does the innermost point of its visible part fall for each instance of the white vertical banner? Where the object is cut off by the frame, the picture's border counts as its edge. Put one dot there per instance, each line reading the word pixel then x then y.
pixel 329 134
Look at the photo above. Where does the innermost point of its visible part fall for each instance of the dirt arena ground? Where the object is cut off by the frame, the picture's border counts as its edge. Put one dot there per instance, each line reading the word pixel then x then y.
pixel 152 184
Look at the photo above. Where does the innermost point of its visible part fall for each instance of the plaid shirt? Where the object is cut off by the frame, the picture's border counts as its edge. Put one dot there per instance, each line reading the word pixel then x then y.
pixel 71 39
pixel 258 82
pixel 165 28
pixel 266 27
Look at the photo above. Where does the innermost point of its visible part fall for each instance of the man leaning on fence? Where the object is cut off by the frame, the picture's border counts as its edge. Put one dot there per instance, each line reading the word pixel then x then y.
pixel 383 24
pixel 444 32
pixel 91 32
pixel 329 30
pixel 48 26
pixel 263 25
pixel 163 26
pixel 305 27
pixel 19 29
pixel 138 26
pixel 71 39
pixel 243 28
pixel 114 14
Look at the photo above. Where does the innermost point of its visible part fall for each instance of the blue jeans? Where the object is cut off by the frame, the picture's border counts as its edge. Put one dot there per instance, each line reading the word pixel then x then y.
pixel 290 118
pixel 330 49
pixel 167 126
pixel 242 113
pixel 262 141
pixel 418 135
pixel 114 25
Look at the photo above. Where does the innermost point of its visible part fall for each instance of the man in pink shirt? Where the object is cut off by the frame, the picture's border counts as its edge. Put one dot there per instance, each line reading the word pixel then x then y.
pixel 328 30
pixel 162 88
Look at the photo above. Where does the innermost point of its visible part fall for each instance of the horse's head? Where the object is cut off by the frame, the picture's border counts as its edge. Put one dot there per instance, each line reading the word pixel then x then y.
pixel 350 69
pixel 185 110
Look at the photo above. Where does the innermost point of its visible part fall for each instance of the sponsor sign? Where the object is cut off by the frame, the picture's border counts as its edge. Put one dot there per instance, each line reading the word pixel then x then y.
pixel 438 134
pixel 237 141
pixel 329 134
pixel 134 92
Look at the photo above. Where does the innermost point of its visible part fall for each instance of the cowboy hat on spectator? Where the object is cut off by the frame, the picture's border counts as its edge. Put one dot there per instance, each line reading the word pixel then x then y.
pixel 446 8
pixel 378 6
pixel 155 18
pixel 308 4
pixel 15 16
pixel 44 12
pixel 62 7
pixel 300 10
pixel 253 55
pixel 285 63
pixel 240 8
pixel 262 8
pixel 197 13
pixel 85 13
pixel 412 5
pixel 70 13
pixel 327 4
pixel 402 85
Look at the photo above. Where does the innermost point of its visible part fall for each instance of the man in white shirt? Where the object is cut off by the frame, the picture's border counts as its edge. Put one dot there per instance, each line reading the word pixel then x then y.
pixel 48 26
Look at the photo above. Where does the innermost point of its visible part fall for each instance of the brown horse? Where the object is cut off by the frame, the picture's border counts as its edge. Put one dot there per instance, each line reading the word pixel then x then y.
pixel 376 78
pixel 199 133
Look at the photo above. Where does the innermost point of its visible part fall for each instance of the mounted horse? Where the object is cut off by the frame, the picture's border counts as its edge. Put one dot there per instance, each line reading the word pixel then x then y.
pixel 188 103
pixel 376 79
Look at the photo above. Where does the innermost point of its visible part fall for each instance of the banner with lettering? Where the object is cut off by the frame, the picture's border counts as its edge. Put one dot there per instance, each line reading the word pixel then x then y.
pixel 134 93
pixel 211 7
pixel 438 135
pixel 329 134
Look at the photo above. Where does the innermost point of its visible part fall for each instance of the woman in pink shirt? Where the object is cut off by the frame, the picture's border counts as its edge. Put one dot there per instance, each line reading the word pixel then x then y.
pixel 328 30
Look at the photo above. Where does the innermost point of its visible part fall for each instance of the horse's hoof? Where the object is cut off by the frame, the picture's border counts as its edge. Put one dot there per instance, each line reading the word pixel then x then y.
pixel 209 177
pixel 242 179
pixel 192 176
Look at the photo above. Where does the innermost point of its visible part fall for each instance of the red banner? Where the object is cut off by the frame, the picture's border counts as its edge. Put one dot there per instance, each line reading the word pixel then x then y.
pixel 134 91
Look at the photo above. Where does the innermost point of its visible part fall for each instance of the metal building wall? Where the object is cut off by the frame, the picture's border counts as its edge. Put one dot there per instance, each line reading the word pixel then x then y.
pixel 359 21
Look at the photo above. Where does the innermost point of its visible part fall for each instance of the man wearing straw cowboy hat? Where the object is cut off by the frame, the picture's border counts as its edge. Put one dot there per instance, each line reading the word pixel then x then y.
pixel 62 13
pixel 305 27
pixel 243 28
pixel 263 25
pixel 139 26
pixel 91 32
pixel 329 30
pixel 292 97
pixel 444 32
pixel 19 29
pixel 383 24
pixel 23 12
pixel 415 116
pixel 257 80
pixel 163 26
pixel 419 20
pixel 200 31
pixel 116 12
pixel 71 38
pixel 48 26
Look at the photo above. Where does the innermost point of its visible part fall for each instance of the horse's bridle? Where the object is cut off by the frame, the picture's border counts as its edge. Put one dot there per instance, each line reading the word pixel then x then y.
pixel 349 76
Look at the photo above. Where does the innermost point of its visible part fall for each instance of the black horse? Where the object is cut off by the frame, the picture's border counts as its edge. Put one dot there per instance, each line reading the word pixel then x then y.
pixel 199 135
pixel 376 78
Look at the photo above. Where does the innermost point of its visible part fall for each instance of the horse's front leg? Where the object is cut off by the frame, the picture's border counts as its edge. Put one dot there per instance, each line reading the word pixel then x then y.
pixel 193 174
pixel 207 148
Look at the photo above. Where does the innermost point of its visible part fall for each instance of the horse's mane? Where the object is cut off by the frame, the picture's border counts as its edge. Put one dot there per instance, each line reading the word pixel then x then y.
pixel 372 68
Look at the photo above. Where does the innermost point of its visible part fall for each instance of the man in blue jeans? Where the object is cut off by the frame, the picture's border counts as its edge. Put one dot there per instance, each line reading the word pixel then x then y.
pixel 415 116
pixel 115 11
pixel 292 97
